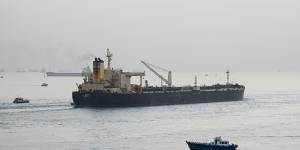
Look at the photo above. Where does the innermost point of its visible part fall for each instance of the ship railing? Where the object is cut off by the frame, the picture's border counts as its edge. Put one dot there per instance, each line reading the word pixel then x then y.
pixel 168 91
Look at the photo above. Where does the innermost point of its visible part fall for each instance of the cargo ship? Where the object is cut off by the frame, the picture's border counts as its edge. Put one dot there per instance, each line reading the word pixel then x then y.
pixel 108 87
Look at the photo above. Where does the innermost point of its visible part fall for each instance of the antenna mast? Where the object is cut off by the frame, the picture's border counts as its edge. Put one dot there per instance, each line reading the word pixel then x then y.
pixel 195 82
pixel 109 57
pixel 227 73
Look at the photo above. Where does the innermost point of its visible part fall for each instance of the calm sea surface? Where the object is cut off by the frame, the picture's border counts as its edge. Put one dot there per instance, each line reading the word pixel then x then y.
pixel 267 119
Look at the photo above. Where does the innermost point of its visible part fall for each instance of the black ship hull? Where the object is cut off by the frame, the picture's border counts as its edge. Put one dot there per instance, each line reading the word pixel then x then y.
pixel 100 99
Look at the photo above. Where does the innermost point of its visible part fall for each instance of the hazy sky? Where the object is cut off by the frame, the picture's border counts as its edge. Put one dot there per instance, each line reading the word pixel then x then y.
pixel 182 35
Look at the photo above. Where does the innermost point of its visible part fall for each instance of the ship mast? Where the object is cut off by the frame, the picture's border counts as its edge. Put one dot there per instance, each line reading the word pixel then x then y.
pixel 109 58
pixel 227 73
pixel 195 82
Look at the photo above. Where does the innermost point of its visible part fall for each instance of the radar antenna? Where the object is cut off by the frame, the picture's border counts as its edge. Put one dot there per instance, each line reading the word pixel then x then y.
pixel 109 58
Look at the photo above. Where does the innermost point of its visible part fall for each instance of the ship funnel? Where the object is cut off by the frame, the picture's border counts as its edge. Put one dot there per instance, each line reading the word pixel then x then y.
pixel 98 70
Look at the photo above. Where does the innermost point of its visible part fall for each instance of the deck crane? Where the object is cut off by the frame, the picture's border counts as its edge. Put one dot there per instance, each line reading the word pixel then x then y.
pixel 167 81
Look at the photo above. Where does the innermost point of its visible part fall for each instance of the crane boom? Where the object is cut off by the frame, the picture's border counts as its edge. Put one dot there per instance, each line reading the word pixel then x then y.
pixel 160 68
pixel 167 81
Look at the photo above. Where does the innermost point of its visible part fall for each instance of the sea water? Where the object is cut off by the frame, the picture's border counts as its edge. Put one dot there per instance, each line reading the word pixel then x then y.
pixel 267 119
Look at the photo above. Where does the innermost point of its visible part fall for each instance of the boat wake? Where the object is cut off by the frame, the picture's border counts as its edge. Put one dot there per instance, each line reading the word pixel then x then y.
pixel 34 105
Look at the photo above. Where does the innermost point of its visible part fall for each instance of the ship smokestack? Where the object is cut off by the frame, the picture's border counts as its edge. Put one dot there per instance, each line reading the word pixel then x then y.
pixel 98 70
pixel 101 77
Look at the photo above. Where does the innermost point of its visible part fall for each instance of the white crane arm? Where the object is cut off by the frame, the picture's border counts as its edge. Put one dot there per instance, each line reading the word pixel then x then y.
pixel 163 69
pixel 156 73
